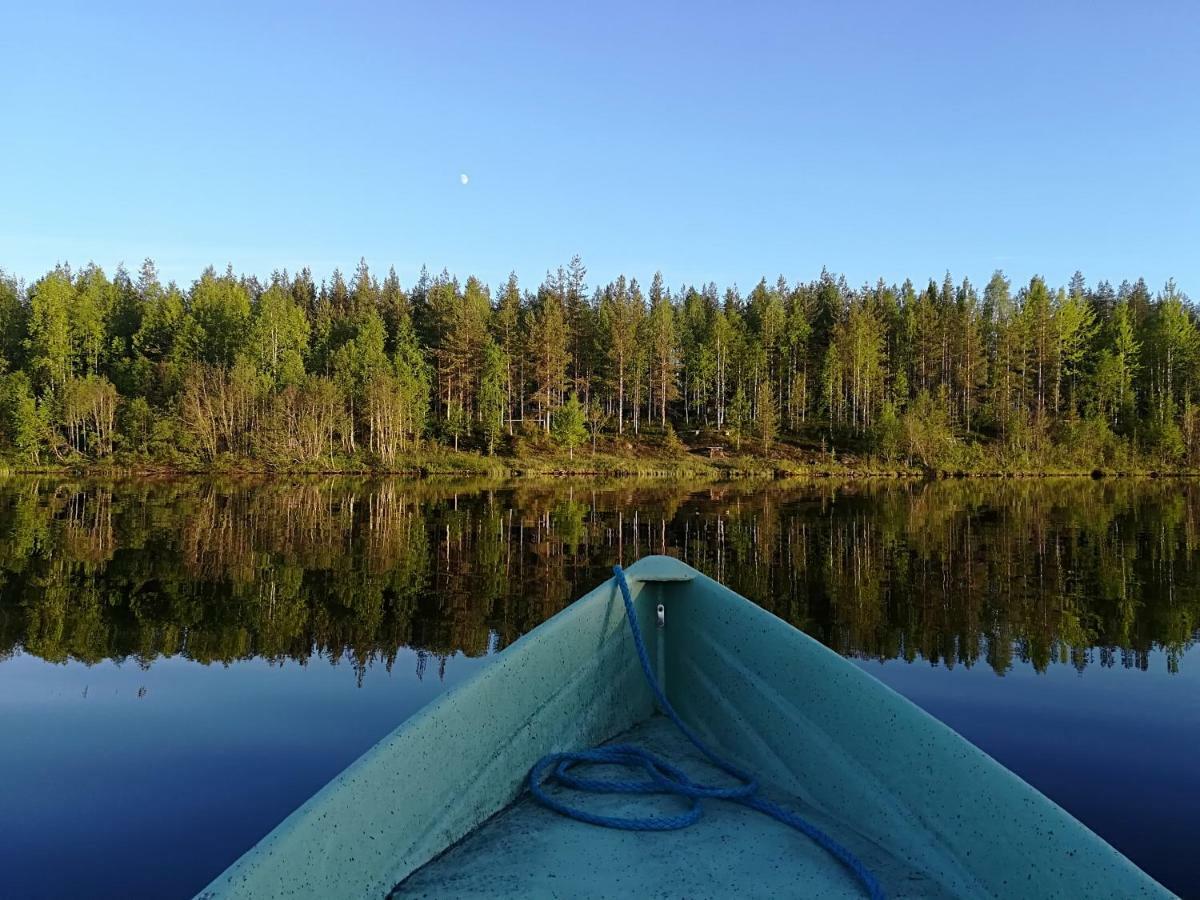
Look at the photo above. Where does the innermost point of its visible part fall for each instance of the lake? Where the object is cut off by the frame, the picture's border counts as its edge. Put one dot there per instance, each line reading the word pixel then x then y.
pixel 184 661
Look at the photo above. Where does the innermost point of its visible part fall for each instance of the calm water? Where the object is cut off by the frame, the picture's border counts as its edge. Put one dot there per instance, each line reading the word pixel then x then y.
pixel 183 662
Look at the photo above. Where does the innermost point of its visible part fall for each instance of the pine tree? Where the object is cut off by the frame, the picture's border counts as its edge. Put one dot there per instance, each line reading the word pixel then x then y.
pixel 1126 352
pixel 1175 345
pixel 492 400
pixel 854 375
pixel 1074 328
pixel 412 383
pixel 833 385
pixel 698 362
pixel 1005 351
pixel 548 344
pixel 796 337
pixel 722 338
pixel 663 347
pixel 969 355
pixel 621 313
pixel 1037 316
pixel 463 329
pixel 767 415
pixel 364 291
pixel 579 316
pixel 395 310
pixel 506 327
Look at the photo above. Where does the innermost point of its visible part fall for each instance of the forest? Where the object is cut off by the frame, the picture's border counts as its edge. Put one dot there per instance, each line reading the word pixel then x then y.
pixel 370 374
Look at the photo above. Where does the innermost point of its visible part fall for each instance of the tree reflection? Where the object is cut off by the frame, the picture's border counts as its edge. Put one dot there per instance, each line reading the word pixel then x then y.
pixel 1036 572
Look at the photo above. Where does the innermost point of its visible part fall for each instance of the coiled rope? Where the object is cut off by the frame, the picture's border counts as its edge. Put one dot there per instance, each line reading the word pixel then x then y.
pixel 664 778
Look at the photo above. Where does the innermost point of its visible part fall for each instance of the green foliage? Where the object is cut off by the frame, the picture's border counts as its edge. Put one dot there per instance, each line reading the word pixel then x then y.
pixel 1075 327
pixel 88 414
pixel 568 521
pixel 740 418
pixel 671 441
pixel 492 401
pixel 927 433
pixel 135 425
pixel 217 321
pixel 230 367
pixel 1163 434
pixel 662 340
pixel 277 342
pixel 457 424
pixel 854 372
pixel 889 433
pixel 25 422
pixel 568 426
pixel 49 340
pixel 14 324
pixel 621 314
pixel 548 349
pixel 91 310
pixel 1091 442
pixel 162 318
pixel 767 415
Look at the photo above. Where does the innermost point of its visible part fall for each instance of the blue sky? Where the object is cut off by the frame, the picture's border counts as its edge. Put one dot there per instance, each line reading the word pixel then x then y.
pixel 712 141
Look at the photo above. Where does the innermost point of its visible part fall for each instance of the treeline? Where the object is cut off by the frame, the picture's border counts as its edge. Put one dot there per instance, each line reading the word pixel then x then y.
pixel 293 373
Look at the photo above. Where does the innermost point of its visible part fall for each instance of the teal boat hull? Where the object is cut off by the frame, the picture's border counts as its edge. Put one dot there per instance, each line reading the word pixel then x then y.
pixel 438 807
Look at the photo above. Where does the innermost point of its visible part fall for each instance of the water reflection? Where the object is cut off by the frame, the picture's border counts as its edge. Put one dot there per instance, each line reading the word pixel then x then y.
pixel 1041 572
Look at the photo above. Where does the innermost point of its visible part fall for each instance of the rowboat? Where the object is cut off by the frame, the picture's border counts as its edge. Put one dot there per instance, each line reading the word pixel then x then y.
pixel 442 806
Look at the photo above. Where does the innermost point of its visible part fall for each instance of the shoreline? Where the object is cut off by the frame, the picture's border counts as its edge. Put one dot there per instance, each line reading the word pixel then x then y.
pixel 470 465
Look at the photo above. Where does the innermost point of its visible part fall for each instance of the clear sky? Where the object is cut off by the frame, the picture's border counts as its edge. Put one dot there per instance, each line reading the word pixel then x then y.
pixel 712 141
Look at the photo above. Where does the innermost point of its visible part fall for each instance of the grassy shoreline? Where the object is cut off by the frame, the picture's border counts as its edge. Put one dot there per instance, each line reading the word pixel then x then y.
pixel 649 463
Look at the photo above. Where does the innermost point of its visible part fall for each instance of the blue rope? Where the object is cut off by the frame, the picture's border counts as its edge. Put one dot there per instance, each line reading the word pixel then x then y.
pixel 663 778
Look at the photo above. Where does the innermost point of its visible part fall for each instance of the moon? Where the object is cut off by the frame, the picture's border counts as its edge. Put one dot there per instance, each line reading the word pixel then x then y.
pixel 463 178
